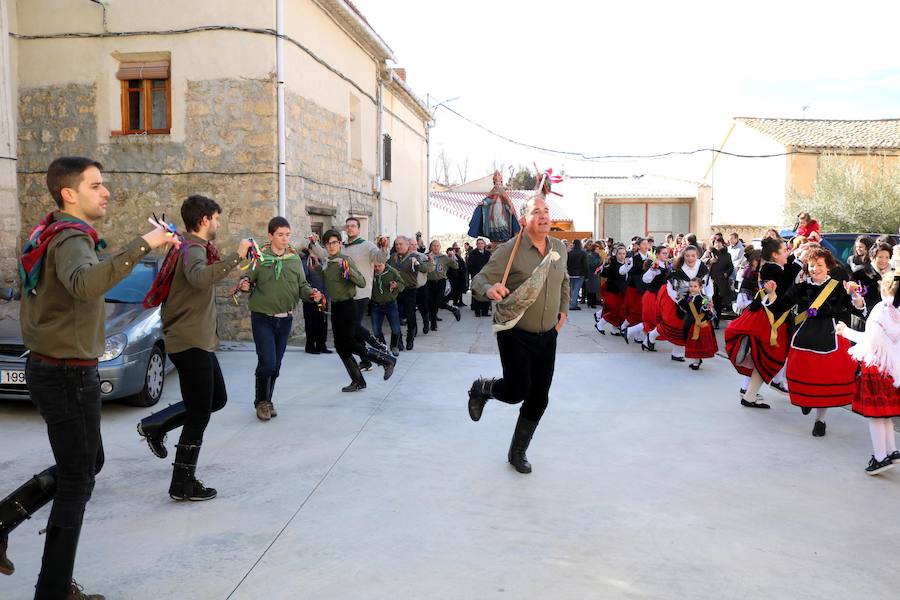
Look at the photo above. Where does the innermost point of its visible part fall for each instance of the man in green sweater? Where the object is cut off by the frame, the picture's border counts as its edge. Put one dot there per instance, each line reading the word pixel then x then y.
pixel 341 280
pixel 409 264
pixel 386 287
pixel 276 284
pixel 437 282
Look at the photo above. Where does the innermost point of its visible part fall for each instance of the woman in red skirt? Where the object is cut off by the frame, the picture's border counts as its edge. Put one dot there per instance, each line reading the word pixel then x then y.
pixel 634 269
pixel 820 372
pixel 757 341
pixel 877 395
pixel 696 311
pixel 670 327
pixel 613 293
pixel 655 276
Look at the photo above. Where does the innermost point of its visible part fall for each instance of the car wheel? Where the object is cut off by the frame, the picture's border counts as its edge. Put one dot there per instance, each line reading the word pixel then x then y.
pixel 154 380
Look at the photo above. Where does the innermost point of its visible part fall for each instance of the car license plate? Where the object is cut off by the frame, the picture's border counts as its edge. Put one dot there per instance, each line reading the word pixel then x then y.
pixel 12 377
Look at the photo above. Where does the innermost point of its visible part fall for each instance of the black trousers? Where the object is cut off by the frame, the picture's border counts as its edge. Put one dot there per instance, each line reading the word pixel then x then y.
pixel 480 307
pixel 528 361
pixel 68 399
pixel 316 324
pixel 436 301
pixel 343 327
pixel 362 311
pixel 406 301
pixel 202 391
pixel 422 303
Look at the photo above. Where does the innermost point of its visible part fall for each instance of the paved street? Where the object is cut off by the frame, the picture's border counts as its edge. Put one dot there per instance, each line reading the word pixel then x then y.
pixel 650 481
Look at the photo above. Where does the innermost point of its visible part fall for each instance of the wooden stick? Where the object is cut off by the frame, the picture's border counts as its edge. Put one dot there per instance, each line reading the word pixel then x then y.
pixel 512 256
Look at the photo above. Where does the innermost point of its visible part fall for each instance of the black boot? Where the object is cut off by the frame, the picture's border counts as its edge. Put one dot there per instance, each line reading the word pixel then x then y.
pixel 272 410
pixel 357 381
pixel 6 565
pixel 261 400
pixel 396 346
pixel 20 505
pixel 409 341
pixel 480 392
pixel 380 357
pixel 456 314
pixel 520 440
pixel 60 548
pixel 185 486
pixel 155 427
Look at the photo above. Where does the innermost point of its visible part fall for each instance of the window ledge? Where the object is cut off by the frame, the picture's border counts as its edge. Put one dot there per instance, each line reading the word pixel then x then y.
pixel 139 133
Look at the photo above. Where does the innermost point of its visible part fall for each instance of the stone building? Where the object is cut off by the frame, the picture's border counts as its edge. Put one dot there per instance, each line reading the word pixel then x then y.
pixel 181 97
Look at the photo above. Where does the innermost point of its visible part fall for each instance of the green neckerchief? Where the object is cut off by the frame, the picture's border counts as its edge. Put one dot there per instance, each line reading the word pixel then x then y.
pixel 268 259
pixel 358 240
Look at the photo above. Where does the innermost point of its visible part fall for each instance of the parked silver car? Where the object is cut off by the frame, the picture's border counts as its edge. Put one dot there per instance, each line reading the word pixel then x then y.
pixel 133 365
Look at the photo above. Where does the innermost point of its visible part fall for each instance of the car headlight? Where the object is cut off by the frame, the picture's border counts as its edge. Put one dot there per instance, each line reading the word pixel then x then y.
pixel 115 345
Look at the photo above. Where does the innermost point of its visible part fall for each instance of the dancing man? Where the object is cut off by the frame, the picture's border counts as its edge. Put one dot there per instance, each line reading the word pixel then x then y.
pixel 364 254
pixel 342 279
pixel 528 349
pixel 63 326
pixel 410 264
pixel 276 285
pixel 189 323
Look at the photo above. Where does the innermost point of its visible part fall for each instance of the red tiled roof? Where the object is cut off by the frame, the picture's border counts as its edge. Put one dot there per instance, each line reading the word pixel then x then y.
pixel 829 133
pixel 462 204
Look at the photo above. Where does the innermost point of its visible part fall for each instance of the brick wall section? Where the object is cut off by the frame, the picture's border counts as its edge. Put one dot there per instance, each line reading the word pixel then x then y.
pixel 746 232
pixel 318 149
pixel 231 129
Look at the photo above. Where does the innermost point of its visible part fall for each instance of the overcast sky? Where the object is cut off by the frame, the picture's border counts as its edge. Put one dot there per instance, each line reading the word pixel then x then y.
pixel 635 77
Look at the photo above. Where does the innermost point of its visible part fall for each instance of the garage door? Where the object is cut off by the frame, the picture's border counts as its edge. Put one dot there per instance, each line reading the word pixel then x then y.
pixel 623 221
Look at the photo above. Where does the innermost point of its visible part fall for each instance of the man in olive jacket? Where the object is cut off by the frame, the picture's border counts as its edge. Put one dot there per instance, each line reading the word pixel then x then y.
pixel 63 326
pixel 189 324
pixel 528 350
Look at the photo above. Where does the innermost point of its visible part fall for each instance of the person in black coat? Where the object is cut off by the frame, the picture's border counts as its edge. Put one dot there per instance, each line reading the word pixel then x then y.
pixel 474 263
pixel 315 320
pixel 577 265
pixel 720 269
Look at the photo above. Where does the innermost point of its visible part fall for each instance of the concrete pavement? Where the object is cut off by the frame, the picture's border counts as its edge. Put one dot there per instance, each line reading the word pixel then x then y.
pixel 650 481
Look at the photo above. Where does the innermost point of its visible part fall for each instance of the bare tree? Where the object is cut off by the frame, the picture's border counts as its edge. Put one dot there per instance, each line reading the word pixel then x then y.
pixel 463 170
pixel 442 167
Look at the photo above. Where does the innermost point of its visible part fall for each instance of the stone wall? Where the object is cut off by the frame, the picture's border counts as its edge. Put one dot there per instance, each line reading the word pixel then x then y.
pixel 229 154
pixel 321 176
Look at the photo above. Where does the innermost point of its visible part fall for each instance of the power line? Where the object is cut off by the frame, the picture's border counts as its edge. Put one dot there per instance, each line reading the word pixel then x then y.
pixel 589 158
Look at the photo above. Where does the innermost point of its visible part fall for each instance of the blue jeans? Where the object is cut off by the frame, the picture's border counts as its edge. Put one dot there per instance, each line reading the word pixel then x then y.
pixel 574 290
pixel 389 309
pixel 270 334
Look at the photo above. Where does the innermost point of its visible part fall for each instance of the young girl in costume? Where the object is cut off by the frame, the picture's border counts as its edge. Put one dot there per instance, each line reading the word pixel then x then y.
pixel 877 395
pixel 697 312
pixel 670 326
pixel 633 269
pixel 656 273
pixel 612 291
pixel 869 277
pixel 757 341
pixel 749 283
pixel 820 372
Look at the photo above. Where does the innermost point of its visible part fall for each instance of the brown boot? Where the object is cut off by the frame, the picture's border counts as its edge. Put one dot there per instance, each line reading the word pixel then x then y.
pixel 76 592
pixel 263 412
pixel 272 410
pixel 6 566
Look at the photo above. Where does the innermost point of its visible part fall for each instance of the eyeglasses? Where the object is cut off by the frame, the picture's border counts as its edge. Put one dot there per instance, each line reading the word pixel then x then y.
pixel 333 242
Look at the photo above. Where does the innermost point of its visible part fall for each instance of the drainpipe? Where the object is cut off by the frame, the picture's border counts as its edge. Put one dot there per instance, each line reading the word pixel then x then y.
pixel 282 135
pixel 427 233
pixel 379 149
